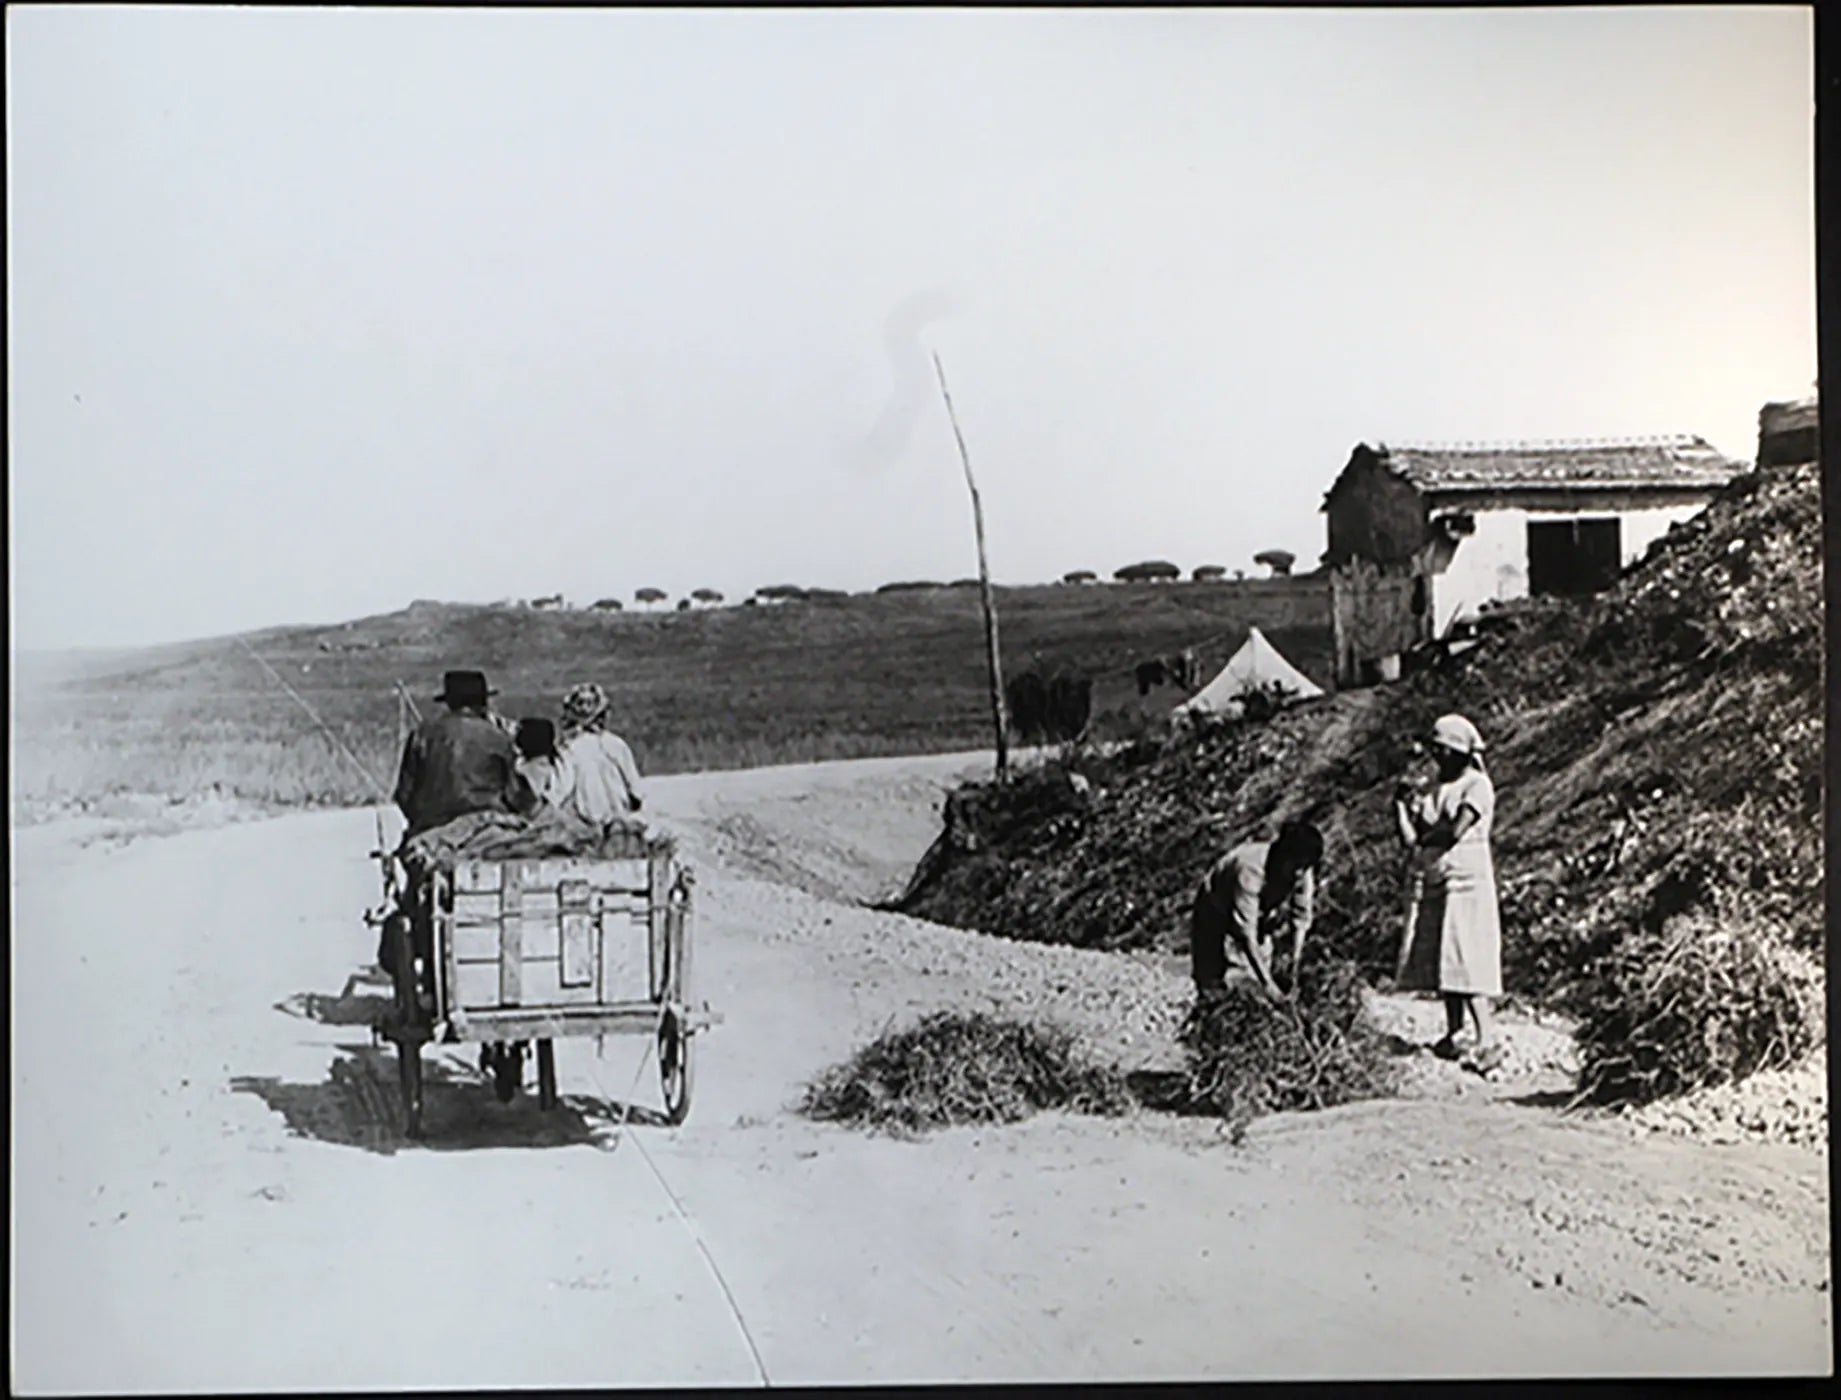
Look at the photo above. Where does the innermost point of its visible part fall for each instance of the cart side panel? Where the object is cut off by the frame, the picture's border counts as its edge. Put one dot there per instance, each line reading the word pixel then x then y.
pixel 543 986
pixel 577 934
pixel 511 938
pixel 476 985
pixel 478 919
pixel 477 876
pixel 553 933
pixel 621 956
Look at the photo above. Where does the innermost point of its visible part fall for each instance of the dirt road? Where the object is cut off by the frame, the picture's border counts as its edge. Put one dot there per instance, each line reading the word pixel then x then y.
pixel 210 1191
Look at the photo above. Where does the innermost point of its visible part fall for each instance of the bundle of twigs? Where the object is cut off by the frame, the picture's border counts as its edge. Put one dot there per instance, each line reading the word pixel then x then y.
pixel 1248 1054
pixel 956 1068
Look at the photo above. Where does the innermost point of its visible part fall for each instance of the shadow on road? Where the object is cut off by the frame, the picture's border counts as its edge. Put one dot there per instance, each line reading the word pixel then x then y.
pixel 359 1105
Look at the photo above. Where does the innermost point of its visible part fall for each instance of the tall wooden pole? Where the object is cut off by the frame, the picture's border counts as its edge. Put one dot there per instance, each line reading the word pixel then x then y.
pixel 998 719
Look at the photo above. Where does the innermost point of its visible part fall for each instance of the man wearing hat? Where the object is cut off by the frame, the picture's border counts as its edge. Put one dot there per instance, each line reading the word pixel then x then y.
pixel 460 761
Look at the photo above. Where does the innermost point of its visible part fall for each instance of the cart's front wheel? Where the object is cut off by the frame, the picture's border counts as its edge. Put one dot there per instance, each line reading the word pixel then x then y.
pixel 674 1066
pixel 546 1074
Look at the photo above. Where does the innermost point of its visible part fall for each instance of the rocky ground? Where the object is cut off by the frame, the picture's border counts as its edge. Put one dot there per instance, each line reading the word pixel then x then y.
pixel 1772 1106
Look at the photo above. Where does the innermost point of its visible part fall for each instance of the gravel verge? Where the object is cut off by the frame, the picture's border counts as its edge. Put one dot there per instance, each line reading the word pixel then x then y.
pixel 1125 1008
pixel 1784 1106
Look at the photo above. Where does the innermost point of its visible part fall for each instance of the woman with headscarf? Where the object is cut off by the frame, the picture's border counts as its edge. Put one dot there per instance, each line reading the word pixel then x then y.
pixel 596 777
pixel 1453 941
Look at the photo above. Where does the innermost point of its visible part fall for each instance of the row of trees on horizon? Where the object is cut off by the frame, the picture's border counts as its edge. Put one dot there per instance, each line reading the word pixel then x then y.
pixel 1278 563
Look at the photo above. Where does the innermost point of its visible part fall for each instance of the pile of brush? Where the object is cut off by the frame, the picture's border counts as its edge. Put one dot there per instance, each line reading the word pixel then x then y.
pixel 959 1068
pixel 1702 1003
pixel 1247 1055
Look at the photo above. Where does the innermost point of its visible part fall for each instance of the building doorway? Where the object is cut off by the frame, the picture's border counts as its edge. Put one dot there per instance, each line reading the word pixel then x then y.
pixel 1573 556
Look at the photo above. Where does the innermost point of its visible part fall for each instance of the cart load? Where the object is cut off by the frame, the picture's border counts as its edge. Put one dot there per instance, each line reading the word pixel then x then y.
pixel 503 836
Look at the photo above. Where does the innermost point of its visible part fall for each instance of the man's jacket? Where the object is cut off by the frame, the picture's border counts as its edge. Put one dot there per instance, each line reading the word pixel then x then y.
pixel 457 763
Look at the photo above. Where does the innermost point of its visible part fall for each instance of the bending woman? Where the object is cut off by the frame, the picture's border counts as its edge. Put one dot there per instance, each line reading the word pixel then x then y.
pixel 1453 941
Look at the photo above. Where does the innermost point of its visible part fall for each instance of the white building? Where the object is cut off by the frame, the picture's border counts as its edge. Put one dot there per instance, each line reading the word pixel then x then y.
pixel 1422 537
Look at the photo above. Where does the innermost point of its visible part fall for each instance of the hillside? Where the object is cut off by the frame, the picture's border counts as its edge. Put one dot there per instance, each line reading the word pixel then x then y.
pixel 1657 753
pixel 868 674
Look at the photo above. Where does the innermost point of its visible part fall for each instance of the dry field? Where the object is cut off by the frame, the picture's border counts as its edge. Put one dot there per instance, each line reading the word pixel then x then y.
pixel 717 688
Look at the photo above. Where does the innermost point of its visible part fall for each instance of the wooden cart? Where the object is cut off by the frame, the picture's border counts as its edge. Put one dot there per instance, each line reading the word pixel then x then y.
pixel 522 952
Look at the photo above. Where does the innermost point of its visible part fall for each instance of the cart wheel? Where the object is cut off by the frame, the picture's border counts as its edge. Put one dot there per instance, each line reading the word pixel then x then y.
pixel 406 1021
pixel 674 1066
pixel 409 1066
pixel 508 1071
pixel 546 1074
pixel 402 973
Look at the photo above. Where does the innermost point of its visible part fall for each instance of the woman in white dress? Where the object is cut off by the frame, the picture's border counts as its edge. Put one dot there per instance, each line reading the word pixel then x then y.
pixel 1453 942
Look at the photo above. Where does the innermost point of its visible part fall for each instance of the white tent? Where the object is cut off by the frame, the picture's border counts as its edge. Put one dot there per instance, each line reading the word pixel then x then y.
pixel 1256 664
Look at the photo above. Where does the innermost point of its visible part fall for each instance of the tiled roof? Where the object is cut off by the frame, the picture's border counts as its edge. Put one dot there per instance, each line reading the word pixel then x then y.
pixel 1615 462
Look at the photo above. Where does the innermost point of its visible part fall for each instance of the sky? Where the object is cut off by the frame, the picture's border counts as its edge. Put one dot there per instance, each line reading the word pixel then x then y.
pixel 313 313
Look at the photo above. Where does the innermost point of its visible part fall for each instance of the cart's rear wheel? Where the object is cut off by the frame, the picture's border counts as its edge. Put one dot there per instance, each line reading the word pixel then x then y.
pixel 546 1074
pixel 674 1066
pixel 508 1071
pixel 409 1069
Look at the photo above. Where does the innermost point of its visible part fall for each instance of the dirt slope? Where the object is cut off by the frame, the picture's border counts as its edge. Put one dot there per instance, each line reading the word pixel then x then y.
pixel 1657 755
pixel 210 1192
